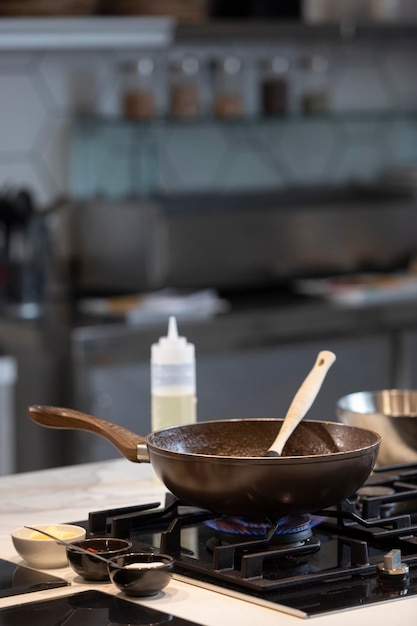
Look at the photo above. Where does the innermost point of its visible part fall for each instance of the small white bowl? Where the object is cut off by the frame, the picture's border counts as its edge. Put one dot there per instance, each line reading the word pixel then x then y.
pixel 45 553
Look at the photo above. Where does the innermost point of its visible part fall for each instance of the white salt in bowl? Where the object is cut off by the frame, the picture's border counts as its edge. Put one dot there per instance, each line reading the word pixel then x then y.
pixel 141 573
pixel 41 552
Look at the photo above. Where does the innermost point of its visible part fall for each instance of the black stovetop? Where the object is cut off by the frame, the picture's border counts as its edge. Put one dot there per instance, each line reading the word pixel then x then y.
pixel 17 579
pixel 340 562
pixel 94 608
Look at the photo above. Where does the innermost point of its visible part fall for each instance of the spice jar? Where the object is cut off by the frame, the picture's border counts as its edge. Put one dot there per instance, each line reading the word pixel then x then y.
pixel 274 86
pixel 315 99
pixel 184 92
pixel 139 95
pixel 228 87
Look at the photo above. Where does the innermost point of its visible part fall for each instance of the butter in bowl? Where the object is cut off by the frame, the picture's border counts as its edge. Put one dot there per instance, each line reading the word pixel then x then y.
pixel 40 551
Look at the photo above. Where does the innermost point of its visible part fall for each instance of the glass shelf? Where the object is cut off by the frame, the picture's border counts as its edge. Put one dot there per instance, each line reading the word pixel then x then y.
pixel 112 155
pixel 337 117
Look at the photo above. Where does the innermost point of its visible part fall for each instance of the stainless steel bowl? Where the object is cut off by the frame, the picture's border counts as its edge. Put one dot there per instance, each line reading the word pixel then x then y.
pixel 392 413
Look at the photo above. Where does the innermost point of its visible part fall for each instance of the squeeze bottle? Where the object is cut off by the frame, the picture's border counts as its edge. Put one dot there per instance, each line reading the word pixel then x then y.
pixel 173 380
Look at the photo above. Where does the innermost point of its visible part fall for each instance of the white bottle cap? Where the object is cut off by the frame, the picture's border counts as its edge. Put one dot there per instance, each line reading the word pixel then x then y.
pixel 172 349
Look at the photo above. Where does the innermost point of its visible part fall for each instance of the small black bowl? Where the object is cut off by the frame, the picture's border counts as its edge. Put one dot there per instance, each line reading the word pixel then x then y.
pixel 87 565
pixel 148 573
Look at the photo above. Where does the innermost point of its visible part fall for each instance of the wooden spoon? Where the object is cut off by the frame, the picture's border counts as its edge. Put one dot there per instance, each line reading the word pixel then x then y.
pixel 302 401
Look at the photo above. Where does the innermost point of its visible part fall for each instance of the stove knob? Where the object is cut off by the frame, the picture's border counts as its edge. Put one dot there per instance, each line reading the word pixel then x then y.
pixel 392 570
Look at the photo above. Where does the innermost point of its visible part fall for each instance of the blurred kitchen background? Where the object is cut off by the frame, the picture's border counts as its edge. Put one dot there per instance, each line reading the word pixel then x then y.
pixel 250 167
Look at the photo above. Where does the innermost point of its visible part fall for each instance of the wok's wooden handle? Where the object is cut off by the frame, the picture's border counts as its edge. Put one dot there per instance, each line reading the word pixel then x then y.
pixel 124 440
pixel 303 400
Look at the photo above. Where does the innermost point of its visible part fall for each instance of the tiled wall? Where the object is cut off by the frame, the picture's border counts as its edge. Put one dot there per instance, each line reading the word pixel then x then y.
pixel 42 93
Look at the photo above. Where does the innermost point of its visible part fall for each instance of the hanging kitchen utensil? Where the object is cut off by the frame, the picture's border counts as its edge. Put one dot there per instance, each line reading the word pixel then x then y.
pixel 302 401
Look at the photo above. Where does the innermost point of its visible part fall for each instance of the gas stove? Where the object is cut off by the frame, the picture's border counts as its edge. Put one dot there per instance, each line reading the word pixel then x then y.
pixel 360 552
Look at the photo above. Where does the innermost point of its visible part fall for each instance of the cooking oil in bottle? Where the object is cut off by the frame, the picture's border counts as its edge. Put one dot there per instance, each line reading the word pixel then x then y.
pixel 173 380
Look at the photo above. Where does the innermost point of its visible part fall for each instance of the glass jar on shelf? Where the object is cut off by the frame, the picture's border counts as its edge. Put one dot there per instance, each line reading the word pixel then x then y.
pixel 184 87
pixel 139 101
pixel 315 96
pixel 227 87
pixel 274 86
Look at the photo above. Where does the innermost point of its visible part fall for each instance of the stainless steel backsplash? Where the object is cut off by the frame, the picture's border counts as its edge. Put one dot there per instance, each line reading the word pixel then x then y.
pixel 239 240
pixel 242 240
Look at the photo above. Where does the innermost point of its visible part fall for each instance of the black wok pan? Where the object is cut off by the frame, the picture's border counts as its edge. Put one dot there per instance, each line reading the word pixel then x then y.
pixel 219 465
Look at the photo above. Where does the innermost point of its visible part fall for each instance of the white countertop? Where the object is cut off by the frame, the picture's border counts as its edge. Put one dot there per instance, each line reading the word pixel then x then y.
pixel 70 493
